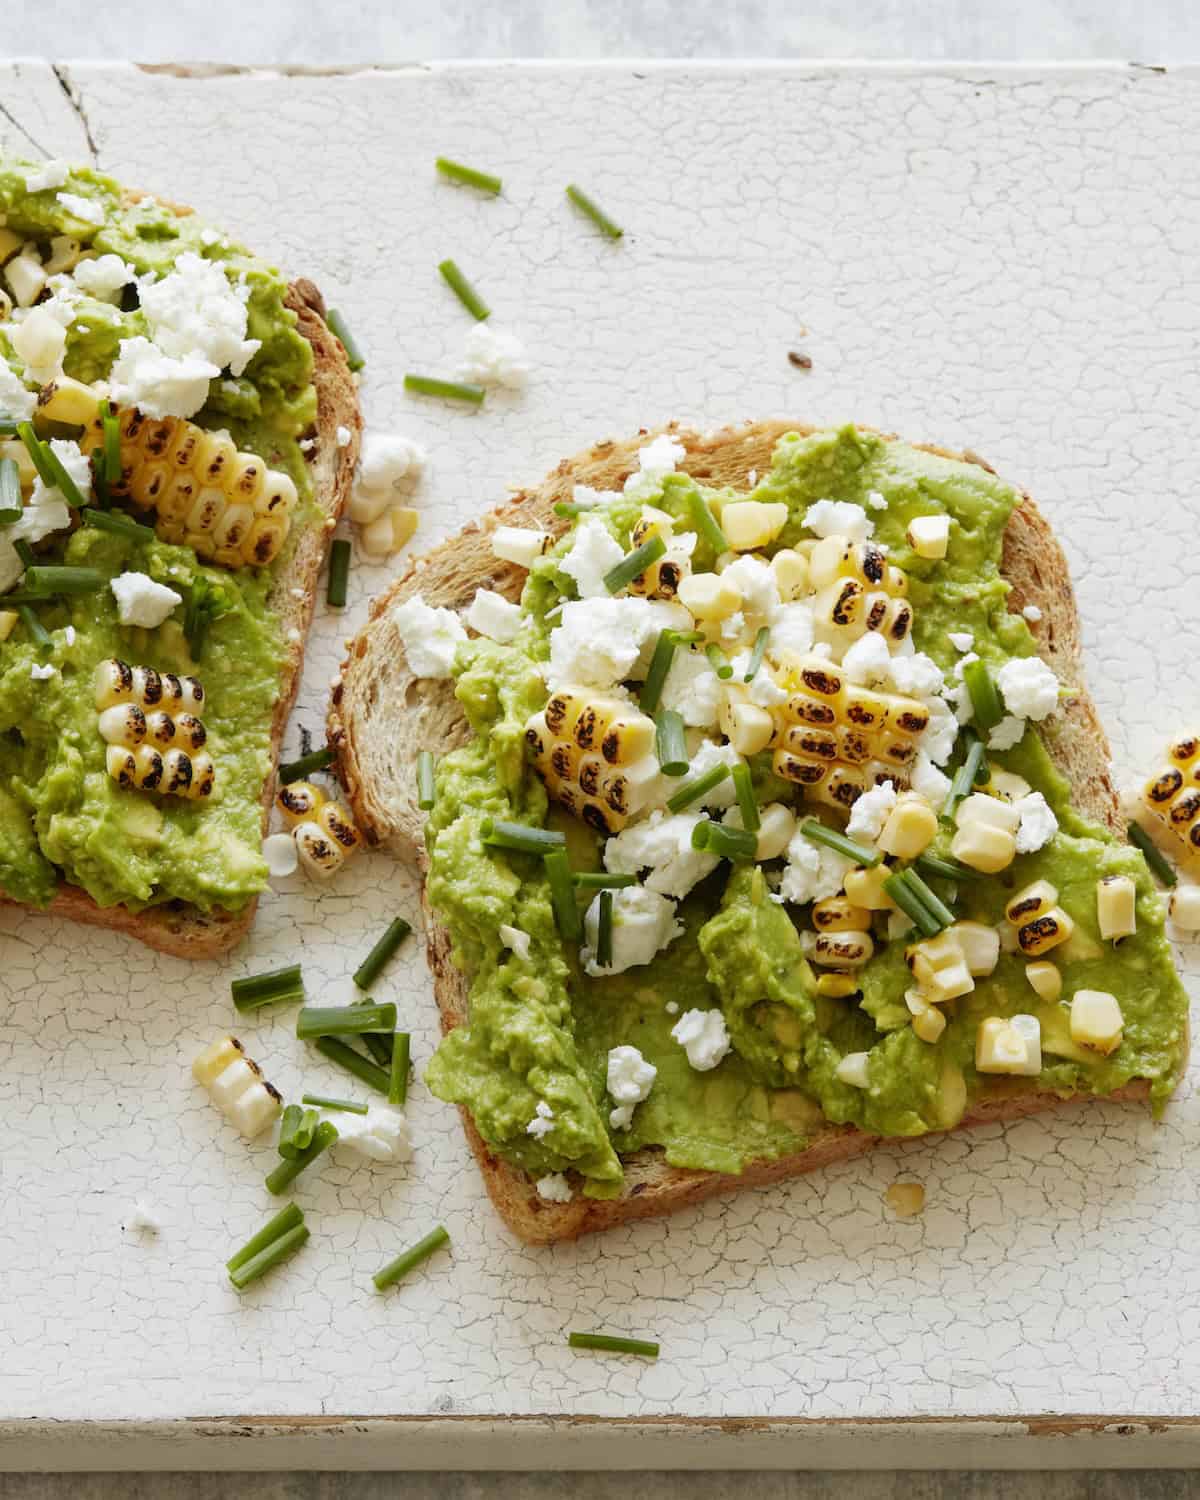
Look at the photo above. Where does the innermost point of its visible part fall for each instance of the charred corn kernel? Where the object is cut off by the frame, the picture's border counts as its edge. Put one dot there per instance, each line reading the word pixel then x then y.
pixel 1184 907
pixel 299 802
pixel 709 596
pixel 865 888
pixel 1043 932
pixel 595 755
pixel 1011 1045
pixel 980 946
pixel 748 727
pixel 204 777
pixel 984 847
pixel 1032 901
pixel 8 619
pixel 838 557
pixel 15 449
pixel 1116 907
pixel 911 827
pixel 1045 979
pixel 837 914
pixel 791 574
pixel 940 967
pixel 319 854
pixel 989 812
pixel 1096 1020
pixel 777 824
pixel 1006 785
pixel 68 400
pixel 929 1024
pixel 147 768
pixel 113 683
pixel 235 1084
pixel 149 750
pixel 338 824
pixel 837 986
pixel 215 1058
pixel 123 724
pixel 177 773
pixel 748 524
pixel 121 764
pixel 1171 803
pixel 857 592
pixel 929 536
pixel 661 579
pixel 651 523
pixel 842 950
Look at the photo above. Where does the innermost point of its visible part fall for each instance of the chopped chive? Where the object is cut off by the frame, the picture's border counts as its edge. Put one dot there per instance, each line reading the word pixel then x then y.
pixel 62 481
pixel 278 1250
pixel 337 325
pixel 743 785
pixel 296 1128
pixel 274 988
pixel 562 895
pixel 398 1083
pixel 600 880
pixel 456 172
pixel 287 1218
pixel 691 791
pixel 288 1170
pixel 378 1044
pixel 594 212
pixel 37 451
pixel 325 1101
pixel 718 661
pixel 633 563
pixel 344 1020
pixel 929 898
pixel 817 833
pixel 986 702
pixel 426 790
pixel 403 1264
pixel 372 966
pixel 570 508
pixel 706 523
pixel 10 490
pixel 611 1344
pixel 604 931
pixel 297 770
pixel 353 1062
pixel 54 580
pixel 10 515
pixel 760 650
pixel 25 552
pixel 117 524
pixel 726 843
pixel 1138 836
pixel 670 743
pixel 108 470
pixel 945 869
pixel 451 390
pixel 965 777
pixel 521 836
pixel 339 574
pixel 660 667
pixel 38 634
pixel 910 903
pixel 464 291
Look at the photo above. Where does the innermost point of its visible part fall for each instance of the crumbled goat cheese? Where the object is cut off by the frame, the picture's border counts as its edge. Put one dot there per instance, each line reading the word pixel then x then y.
pixel 593 553
pixel 388 460
pixel 868 660
pixel 600 642
pixel 381 1134
pixel 1032 613
pixel 961 640
pixel 927 781
pixel 82 208
pixel 491 614
pixel 1038 823
pixel 430 636
pixel 519 544
pixel 733 626
pixel 1029 687
pixel 142 601
pixel 517 939
pixel 655 461
pixel 51 174
pixel 762 689
pixel 39 342
pixel 704 1036
pixel 15 400
pixel 543 1121
pixel 630 1079
pixel 195 311
pixel 839 518
pixel 553 1188
pixel 875 501
pixel 663 845
pixel 1007 733
pixel 41 674
pixel 69 634
pixel 643 922
pixel 757 584
pixel 103 277
pixel 870 812
pixel 918 675
pixel 159 384
pixel 693 689
pixel 937 740
pixel 282 856
pixel 494 357
pixel 812 872
pixel 791 630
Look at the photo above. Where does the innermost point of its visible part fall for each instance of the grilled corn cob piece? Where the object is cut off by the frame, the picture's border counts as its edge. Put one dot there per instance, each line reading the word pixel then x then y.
pixel 858 591
pixel 661 579
pixel 1171 800
pixel 229 507
pixel 1040 922
pixel 299 802
pixel 326 834
pixel 118 682
pixel 940 967
pixel 155 751
pixel 235 1084
pixel 68 400
pixel 595 755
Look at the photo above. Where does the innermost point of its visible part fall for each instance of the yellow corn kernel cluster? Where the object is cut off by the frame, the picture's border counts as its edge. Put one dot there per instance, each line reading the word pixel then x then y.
pixel 843 938
pixel 1040 922
pixel 858 591
pixel 324 829
pixel 1172 802
pixel 940 968
pixel 235 1084
pixel 595 755
pixel 661 579
pixel 157 751
pixel 229 507
pixel 836 740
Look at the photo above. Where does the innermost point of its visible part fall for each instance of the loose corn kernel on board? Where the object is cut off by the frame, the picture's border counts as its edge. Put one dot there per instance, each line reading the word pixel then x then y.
pixel 983 261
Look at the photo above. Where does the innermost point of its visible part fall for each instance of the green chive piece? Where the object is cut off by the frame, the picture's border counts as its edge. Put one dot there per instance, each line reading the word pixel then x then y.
pixel 275 988
pixel 656 676
pixel 817 833
pixel 288 1170
pixel 986 702
pixel 297 770
pixel 600 880
pixel 450 390
pixel 25 552
pixel 108 470
pixel 692 791
pixel 37 451
pixel 10 490
pixel 337 325
pixel 378 1044
pixel 633 563
pixel 718 661
pixel 521 836
pixel 929 899
pixel 398 1085
pixel 910 903
pixel 51 580
pixel 726 843
pixel 278 1250
pixel 464 291
pixel 594 212
pixel 287 1218
pixel 760 650
pixel 965 777
pixel 325 1101
pixel 10 515
pixel 426 789
pixel 670 743
pixel 62 481
pixel 117 525
pixel 344 1020
pixel 372 966
pixel 571 508
pixel 562 895
pixel 1159 867
pixel 743 785
pixel 945 869
pixel 339 574
pixel 38 634
pixel 353 1062
pixel 456 172
pixel 611 1344
pixel 296 1127
pixel 604 931
pixel 406 1262
pixel 706 523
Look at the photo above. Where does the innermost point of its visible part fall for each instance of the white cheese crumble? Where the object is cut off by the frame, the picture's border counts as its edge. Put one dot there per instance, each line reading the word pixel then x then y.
pixel 159 384
pixel 756 582
pixel 430 636
pixel 14 398
pixel 1032 613
pixel 515 938
pixel 1029 687
pixel 643 923
pixel 39 342
pixel 762 689
pixel 1007 733
pixel 791 630
pixel 1038 823
pixel 868 660
pixel 195 311
pixel 937 740
pixel 553 1188
pixel 870 812
pixel 50 174
pixel 693 689
pixel 593 553
pixel 630 1079
pixel 839 518
pixel 600 642
pixel 83 208
pixel 142 601
pixel 704 1036
pixel 662 845
pixel 491 614
pixel 928 782
pixel 103 277
pixel 282 856
pixel 41 674
pixel 875 501
pixel 381 1134
pixel 961 640
pixel 812 872
pixel 494 357
pixel 543 1121
pixel 918 675
pixel 387 460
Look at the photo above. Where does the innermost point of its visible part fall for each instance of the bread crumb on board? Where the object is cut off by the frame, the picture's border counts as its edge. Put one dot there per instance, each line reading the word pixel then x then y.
pixel 905 1199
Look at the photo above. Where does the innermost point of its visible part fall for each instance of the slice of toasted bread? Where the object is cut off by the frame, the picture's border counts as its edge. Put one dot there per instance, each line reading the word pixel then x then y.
pixel 177 927
pixel 381 716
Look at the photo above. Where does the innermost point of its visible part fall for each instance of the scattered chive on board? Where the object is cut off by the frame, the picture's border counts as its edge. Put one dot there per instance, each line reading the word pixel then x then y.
pixel 257 990
pixel 297 770
pixel 362 1067
pixel 426 787
pixel 287 1218
pixel 594 212
pixel 464 291
pixel 280 1249
pixel 296 1128
pixel 409 1259
pixel 449 390
pixel 339 574
pixel 398 1078
pixel 455 171
pixel 337 325
pixel 612 1344
pixel 385 946
pixel 288 1170
pixel 344 1020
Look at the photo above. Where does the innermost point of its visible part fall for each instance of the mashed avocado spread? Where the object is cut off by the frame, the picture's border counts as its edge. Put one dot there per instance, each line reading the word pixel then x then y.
pixel 76 251
pixel 532 1064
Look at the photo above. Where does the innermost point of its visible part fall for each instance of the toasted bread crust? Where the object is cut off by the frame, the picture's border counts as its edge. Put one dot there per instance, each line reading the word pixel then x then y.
pixel 180 929
pixel 381 716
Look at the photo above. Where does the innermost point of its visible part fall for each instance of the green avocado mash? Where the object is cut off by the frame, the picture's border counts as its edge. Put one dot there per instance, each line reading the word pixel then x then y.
pixel 540 1029
pixel 62 817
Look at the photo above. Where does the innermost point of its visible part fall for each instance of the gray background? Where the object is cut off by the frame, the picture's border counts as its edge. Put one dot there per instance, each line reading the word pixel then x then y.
pixel 343 32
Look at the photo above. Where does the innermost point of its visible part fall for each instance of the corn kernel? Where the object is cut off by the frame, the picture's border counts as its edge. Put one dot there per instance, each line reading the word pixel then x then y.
pixel 929 536
pixel 1007 785
pixel 854 1070
pixel 1184 907
pixel 791 574
pixel 1044 932
pixel 708 596
pixel 336 822
pixel 929 1024
pixel 748 524
pixel 748 727
pixel 10 243
pixel 1116 907
pixel 837 914
pixel 67 400
pixel 8 618
pixel 1096 1020
pixel 215 1058
pixel 26 278
pixel 984 848
pixel 991 812
pixel 1045 979
pixel 865 888
pixel 1031 902
pixel 980 946
pixel 837 986
pixel 843 950
pixel 940 967
pixel 299 802
pixel 1011 1046
pixel 911 827
pixel 777 824
pixel 319 854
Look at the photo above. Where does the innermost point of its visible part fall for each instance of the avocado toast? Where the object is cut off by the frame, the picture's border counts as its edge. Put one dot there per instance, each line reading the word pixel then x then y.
pixel 837 1022
pixel 217 374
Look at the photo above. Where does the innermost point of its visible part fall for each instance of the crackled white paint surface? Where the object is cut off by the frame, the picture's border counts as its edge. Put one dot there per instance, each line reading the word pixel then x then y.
pixel 1005 261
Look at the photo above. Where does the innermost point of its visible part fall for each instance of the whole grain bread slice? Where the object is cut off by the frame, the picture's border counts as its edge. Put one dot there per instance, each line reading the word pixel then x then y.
pixel 179 928
pixel 381 716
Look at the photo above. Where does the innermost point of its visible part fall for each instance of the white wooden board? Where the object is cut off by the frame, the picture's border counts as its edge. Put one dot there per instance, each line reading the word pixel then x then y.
pixel 995 259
